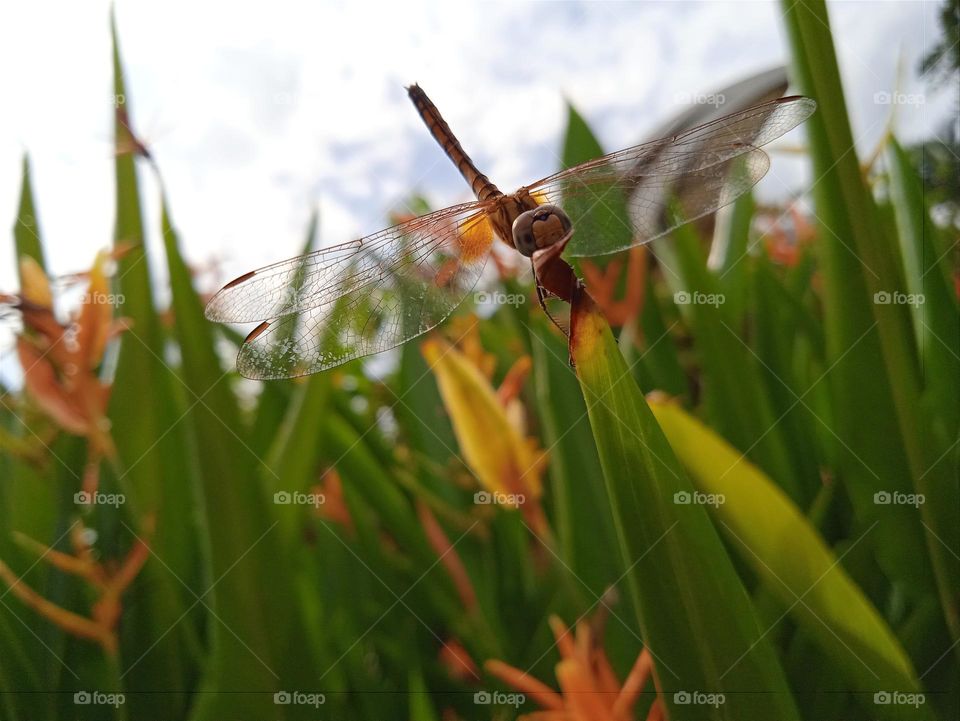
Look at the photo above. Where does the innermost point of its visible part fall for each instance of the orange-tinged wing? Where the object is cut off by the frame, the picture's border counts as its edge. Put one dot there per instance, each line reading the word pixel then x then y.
pixel 625 198
pixel 325 308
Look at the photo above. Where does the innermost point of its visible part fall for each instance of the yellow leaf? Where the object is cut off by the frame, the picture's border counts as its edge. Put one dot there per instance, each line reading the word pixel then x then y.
pixel 36 287
pixel 785 549
pixel 503 460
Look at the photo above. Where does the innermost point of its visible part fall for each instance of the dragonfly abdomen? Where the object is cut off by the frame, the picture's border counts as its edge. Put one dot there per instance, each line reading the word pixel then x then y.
pixel 479 183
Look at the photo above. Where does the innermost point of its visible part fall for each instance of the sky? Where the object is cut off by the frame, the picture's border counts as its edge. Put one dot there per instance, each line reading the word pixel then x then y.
pixel 258 114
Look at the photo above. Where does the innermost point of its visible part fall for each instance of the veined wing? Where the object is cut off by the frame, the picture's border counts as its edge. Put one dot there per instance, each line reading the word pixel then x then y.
pixel 325 308
pixel 625 198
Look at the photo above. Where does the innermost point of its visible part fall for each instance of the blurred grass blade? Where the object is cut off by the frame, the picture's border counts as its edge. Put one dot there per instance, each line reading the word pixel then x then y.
pixel 784 329
pixel 586 542
pixel 694 613
pixel 774 538
pixel 859 266
pixel 143 417
pixel 937 328
pixel 735 402
pixel 31 502
pixel 659 360
pixel 936 320
pixel 295 451
pixel 729 254
pixel 26 226
pixel 257 637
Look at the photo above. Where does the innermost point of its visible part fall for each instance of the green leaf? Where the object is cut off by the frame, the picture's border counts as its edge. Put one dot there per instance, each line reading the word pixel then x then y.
pixel 26 227
pixel 694 613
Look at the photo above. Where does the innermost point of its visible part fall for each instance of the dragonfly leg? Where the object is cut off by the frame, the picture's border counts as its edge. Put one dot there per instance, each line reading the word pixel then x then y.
pixel 542 295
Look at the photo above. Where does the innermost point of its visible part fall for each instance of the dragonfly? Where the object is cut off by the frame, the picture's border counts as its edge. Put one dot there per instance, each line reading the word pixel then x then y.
pixel 339 303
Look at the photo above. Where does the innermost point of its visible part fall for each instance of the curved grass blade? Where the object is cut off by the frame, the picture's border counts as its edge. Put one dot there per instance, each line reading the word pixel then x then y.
pixel 860 266
pixel 694 613
pixel 783 548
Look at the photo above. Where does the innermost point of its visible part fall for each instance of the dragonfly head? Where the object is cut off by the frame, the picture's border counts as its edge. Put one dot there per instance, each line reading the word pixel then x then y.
pixel 540 228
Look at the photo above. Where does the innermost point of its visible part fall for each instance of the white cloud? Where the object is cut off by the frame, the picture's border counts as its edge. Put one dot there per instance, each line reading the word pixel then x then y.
pixel 256 114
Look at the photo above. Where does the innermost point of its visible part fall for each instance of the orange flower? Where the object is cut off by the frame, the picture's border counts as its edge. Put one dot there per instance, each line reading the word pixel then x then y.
pixel 603 285
pixel 110 582
pixel 589 689
pixel 454 657
pixel 60 361
pixel 785 241
pixel 334 507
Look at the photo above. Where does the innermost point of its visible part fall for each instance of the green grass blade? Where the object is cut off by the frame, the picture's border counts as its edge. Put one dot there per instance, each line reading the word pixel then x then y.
pixel 584 533
pixel 937 327
pixel 735 402
pixel 784 330
pixel 694 613
pixel 26 227
pixel 874 371
pixel 257 639
pixel 659 365
pixel 729 254
pixel 143 416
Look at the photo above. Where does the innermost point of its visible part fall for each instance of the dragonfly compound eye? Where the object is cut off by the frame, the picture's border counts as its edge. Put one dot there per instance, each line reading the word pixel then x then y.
pixel 540 228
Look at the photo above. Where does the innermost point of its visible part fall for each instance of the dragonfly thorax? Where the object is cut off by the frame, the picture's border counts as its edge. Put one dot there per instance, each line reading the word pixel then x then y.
pixel 540 228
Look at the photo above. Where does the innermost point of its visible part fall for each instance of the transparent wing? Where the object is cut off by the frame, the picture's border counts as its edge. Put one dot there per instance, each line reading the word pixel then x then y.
pixel 325 308
pixel 627 198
